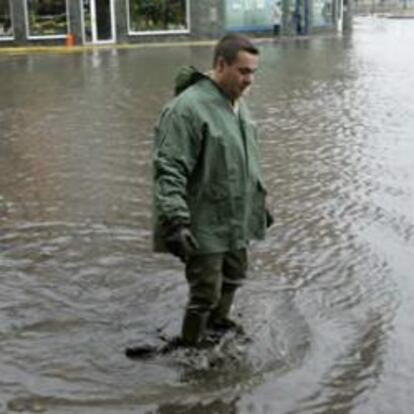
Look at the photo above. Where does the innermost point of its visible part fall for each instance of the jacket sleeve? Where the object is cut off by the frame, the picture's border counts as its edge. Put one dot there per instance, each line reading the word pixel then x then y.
pixel 176 151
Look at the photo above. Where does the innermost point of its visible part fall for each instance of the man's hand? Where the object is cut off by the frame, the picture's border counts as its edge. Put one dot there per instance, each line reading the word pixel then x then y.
pixel 181 243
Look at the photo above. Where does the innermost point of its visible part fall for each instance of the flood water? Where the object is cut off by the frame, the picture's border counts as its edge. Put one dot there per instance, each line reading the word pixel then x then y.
pixel 329 301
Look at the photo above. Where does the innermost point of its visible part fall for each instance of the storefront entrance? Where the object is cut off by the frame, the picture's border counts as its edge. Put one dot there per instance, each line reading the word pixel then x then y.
pixel 98 21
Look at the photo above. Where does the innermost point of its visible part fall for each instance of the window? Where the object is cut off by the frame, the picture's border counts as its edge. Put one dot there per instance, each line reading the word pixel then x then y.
pixel 251 15
pixel 6 24
pixel 158 15
pixel 322 13
pixel 47 18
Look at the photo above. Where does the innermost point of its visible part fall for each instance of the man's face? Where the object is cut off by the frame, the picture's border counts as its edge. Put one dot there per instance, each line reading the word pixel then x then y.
pixel 239 75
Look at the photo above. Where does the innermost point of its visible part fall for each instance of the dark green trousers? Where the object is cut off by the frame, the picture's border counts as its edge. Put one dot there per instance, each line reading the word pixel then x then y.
pixel 210 275
pixel 213 280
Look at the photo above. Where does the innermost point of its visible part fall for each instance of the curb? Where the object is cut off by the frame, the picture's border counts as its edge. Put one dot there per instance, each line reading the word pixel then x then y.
pixel 25 50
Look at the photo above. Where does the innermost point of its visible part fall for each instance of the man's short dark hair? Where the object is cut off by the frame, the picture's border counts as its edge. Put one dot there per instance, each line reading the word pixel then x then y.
pixel 230 45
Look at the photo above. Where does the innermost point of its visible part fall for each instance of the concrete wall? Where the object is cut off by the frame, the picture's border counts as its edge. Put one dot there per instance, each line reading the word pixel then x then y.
pixel 121 23
pixel 19 23
pixel 75 20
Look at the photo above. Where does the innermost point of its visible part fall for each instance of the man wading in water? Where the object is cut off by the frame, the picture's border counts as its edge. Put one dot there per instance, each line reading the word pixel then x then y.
pixel 209 198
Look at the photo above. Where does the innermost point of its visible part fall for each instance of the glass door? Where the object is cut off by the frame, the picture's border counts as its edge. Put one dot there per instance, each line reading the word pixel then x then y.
pixel 98 21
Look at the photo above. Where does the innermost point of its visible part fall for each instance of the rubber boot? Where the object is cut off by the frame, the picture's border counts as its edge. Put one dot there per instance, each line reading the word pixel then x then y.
pixel 219 319
pixel 194 328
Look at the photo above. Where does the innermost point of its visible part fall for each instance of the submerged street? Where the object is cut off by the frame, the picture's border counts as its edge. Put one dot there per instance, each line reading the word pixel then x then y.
pixel 330 294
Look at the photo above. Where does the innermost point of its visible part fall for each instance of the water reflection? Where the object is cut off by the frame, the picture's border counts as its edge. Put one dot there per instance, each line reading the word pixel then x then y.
pixel 325 303
pixel 353 375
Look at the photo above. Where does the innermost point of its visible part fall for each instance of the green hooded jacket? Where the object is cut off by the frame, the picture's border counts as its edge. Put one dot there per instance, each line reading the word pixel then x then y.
pixel 206 171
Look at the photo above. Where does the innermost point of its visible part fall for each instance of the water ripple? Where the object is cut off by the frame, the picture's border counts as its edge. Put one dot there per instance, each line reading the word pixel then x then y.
pixel 328 290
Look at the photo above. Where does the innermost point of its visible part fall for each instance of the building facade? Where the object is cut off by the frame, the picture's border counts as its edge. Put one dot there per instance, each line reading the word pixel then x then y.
pixel 26 22
pixel 398 8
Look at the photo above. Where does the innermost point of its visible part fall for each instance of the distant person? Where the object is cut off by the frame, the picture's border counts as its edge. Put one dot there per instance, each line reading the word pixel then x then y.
pixel 209 197
pixel 276 17
pixel 297 21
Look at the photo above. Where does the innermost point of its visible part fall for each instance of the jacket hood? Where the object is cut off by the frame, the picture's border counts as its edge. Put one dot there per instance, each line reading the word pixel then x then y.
pixel 186 77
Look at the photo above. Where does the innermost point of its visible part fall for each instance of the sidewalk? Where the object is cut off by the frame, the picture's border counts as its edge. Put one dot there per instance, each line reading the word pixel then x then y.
pixel 401 14
pixel 23 50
